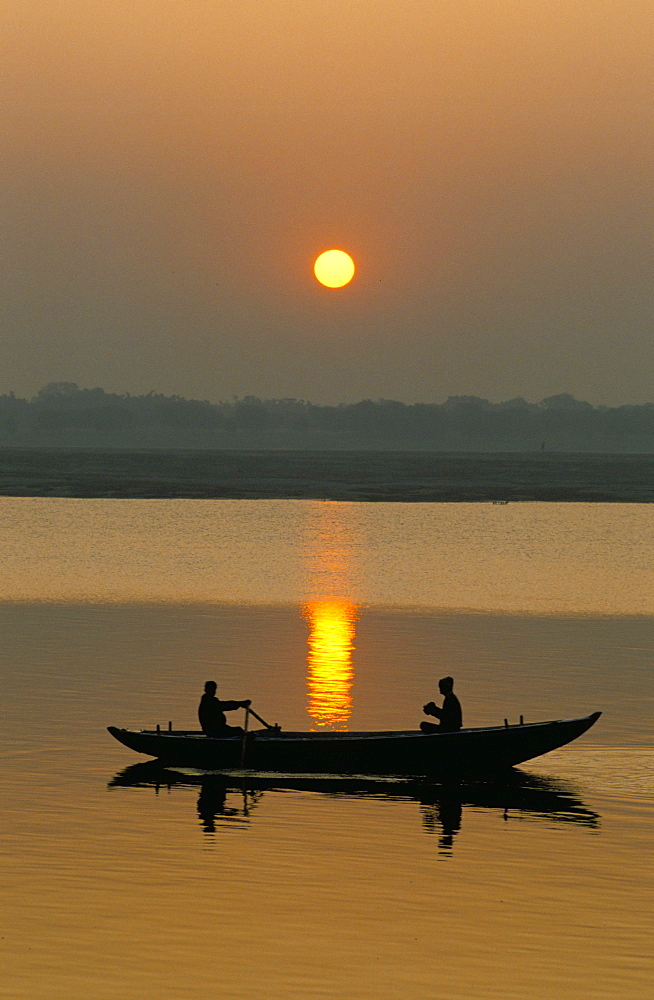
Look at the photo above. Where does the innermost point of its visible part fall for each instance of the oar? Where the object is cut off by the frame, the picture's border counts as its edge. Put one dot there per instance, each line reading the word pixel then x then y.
pixel 262 721
pixel 245 735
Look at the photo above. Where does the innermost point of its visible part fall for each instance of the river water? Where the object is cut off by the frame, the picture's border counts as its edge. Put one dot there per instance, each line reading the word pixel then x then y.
pixel 123 882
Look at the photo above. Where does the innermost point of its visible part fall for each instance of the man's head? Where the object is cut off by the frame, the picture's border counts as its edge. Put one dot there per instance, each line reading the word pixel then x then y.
pixel 210 688
pixel 445 685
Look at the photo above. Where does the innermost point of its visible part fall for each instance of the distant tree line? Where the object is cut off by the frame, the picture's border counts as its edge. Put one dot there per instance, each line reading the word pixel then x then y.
pixel 63 415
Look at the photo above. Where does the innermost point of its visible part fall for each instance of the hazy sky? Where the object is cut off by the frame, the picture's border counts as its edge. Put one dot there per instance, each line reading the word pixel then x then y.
pixel 171 168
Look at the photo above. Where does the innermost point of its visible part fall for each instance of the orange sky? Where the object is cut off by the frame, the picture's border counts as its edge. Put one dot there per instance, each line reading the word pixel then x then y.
pixel 171 170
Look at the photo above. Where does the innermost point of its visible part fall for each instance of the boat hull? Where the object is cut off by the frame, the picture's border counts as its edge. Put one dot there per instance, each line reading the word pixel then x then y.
pixel 469 751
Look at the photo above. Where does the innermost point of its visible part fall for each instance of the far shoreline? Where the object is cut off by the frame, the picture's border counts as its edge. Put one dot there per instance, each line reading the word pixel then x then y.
pixel 390 476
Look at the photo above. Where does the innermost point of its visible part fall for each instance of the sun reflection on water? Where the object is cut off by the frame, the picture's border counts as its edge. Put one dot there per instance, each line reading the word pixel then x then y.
pixel 329 662
pixel 332 570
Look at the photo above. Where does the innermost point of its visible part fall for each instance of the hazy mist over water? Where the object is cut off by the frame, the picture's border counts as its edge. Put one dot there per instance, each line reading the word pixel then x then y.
pixel 542 558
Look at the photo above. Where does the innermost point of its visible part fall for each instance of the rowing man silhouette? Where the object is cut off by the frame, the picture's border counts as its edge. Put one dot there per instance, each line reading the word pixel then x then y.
pixel 211 712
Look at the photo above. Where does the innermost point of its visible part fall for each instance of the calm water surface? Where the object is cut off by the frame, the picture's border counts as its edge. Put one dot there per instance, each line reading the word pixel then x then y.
pixel 123 881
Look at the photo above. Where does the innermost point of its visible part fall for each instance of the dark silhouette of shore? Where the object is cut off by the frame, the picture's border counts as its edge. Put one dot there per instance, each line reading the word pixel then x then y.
pixel 326 475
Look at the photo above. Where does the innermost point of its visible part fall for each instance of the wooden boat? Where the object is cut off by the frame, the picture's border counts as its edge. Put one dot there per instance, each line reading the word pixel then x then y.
pixel 468 751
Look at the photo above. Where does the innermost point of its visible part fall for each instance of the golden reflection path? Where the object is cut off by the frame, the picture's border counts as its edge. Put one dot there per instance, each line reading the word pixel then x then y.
pixel 331 545
pixel 329 662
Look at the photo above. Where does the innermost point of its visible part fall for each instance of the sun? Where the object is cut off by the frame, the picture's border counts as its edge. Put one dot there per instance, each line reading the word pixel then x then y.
pixel 334 268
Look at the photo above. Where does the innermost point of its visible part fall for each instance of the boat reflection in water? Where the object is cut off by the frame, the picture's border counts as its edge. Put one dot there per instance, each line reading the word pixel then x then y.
pixel 225 799
pixel 222 801
pixel 520 794
pixel 214 809
pixel 329 662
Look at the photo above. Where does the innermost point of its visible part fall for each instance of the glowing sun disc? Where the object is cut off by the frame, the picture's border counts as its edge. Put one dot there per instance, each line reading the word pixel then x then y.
pixel 334 268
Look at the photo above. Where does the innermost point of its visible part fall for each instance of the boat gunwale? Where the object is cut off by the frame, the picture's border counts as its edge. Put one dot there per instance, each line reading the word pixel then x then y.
pixel 345 737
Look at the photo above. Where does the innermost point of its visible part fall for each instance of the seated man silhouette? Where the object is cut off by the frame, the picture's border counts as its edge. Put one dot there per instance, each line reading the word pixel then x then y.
pixel 211 713
pixel 449 714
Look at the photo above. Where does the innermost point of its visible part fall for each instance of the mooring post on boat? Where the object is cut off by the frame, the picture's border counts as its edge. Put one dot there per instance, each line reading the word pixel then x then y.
pixel 522 721
pixel 245 735
pixel 170 726
pixel 158 729
pixel 506 723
